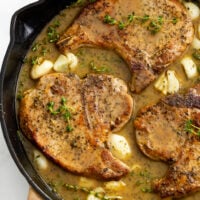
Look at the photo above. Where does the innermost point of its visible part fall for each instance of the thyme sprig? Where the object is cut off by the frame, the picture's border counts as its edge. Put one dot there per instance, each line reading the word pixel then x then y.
pixel 190 127
pixel 99 195
pixel 153 25
pixel 63 110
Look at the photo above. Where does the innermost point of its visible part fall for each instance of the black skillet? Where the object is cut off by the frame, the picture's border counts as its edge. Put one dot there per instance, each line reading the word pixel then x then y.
pixel 26 24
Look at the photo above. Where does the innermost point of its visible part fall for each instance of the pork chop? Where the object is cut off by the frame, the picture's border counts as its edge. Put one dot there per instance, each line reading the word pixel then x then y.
pixel 166 132
pixel 126 27
pixel 70 119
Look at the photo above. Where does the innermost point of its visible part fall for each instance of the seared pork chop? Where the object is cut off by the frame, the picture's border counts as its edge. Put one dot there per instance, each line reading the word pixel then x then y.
pixel 70 119
pixel 162 134
pixel 146 54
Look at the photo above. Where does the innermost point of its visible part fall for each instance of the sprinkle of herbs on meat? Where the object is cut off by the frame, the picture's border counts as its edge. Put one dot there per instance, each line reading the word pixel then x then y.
pixel 153 25
pixel 63 110
pixel 191 128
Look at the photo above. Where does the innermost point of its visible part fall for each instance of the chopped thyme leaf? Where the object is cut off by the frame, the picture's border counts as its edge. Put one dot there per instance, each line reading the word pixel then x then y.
pixel 154 27
pixel 44 51
pixel 67 115
pixel 146 190
pixel 96 69
pixel 144 19
pixel 130 17
pixel 50 107
pixel 191 128
pixel 69 128
pixel 35 60
pixel 174 20
pixel 109 20
pixel 63 100
pixel 35 47
pixel 160 20
pixel 143 180
pixel 56 23
pixel 121 25
pixel 138 183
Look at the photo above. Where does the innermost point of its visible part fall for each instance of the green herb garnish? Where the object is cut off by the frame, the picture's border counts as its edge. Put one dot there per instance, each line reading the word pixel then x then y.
pixel 52 33
pixel 99 195
pixel 154 24
pixel 69 128
pixel 62 110
pixel 121 25
pixel 50 107
pixel 143 179
pixel 35 60
pixel 146 190
pixel 44 51
pixel 191 128
pixel 174 20
pixel 154 27
pixel 56 24
pixel 109 20
pixel 35 46
pixel 143 19
pixel 96 69
pixel 130 18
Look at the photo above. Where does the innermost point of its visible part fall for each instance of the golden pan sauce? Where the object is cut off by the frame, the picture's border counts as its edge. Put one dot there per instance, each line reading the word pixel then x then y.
pixel 138 182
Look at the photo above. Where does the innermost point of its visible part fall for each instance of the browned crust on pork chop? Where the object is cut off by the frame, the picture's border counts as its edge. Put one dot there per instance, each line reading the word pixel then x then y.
pixel 147 55
pixel 183 177
pixel 155 131
pixel 162 135
pixel 98 105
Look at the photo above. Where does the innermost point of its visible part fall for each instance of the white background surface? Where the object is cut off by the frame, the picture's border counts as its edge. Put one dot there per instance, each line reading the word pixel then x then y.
pixel 13 185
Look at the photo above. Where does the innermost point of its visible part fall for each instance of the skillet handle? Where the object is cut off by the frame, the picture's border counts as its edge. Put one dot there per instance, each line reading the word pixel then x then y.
pixel 33 195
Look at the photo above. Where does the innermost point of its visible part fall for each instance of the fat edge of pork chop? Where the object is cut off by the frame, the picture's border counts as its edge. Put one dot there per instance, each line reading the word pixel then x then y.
pixel 146 54
pixel 167 139
pixel 60 101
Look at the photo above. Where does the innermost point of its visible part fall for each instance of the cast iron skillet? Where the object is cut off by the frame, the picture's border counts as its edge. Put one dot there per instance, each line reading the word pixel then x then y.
pixel 26 24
